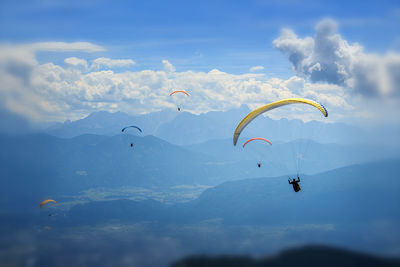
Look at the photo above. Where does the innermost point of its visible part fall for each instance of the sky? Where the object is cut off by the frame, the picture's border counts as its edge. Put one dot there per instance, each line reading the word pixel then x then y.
pixel 63 60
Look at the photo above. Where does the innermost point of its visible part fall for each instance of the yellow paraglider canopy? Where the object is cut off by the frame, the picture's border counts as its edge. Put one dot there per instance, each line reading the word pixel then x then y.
pixel 44 202
pixel 252 115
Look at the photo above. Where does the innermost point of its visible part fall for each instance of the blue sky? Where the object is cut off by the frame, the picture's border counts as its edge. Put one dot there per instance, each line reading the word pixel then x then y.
pixel 200 35
pixel 65 59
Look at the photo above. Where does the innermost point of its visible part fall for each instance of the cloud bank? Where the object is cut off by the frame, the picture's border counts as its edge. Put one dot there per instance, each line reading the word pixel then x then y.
pixel 328 69
pixel 51 92
pixel 327 57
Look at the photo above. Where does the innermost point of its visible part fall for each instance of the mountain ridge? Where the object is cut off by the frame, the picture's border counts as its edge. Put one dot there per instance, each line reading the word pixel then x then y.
pixel 184 128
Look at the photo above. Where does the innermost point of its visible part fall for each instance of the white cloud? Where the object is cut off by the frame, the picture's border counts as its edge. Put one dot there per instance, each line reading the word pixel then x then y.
pixel 17 67
pixel 256 68
pixel 111 63
pixel 329 58
pixel 74 62
pixel 168 67
pixel 52 92
pixel 66 47
pixel 49 92
pixel 148 90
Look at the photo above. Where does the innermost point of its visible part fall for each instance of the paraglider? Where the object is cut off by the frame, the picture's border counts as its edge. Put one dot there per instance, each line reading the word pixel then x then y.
pixel 297 157
pixel 260 139
pixel 179 91
pixel 256 138
pixel 253 114
pixel 44 202
pixel 295 183
pixel 134 127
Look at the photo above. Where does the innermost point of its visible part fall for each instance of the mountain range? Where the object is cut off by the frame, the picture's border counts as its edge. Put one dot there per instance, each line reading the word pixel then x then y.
pixel 51 166
pixel 357 194
pixel 311 255
pixel 183 128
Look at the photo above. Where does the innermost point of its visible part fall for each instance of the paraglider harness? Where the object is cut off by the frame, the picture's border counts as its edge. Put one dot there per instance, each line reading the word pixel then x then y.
pixel 295 183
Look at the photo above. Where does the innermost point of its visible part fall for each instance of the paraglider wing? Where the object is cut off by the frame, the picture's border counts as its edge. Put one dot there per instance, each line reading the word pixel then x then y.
pixel 44 202
pixel 132 126
pixel 179 91
pixel 252 115
pixel 257 138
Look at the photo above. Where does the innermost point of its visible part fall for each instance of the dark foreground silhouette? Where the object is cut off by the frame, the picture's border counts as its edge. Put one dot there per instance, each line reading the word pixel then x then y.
pixel 306 256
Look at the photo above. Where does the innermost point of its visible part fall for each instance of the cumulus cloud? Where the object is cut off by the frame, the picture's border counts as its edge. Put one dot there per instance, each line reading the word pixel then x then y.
pixel 54 92
pixel 256 68
pixel 327 57
pixel 76 63
pixel 111 63
pixel 168 67
pixel 17 67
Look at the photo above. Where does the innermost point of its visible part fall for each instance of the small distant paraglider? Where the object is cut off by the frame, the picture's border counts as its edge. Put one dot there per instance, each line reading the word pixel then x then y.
pixel 131 126
pixel 256 138
pixel 179 91
pixel 260 139
pixel 44 202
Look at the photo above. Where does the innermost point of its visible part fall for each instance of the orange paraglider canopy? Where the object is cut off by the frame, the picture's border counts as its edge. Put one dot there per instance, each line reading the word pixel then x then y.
pixel 257 138
pixel 44 202
pixel 179 91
